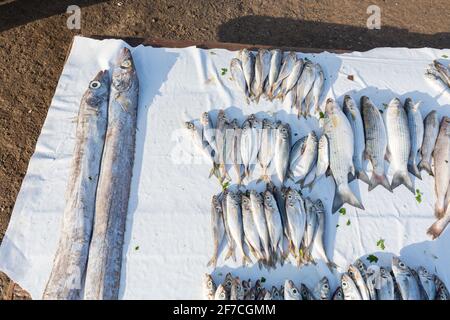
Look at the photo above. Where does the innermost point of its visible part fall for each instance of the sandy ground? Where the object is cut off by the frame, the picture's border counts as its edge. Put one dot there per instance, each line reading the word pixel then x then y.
pixel 34 40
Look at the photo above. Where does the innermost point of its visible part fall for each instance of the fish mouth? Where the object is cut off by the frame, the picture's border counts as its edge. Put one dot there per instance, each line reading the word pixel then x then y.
pixel 123 55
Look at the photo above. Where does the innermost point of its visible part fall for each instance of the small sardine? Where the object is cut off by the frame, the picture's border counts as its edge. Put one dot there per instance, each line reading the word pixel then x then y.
pixel 282 149
pixel 209 287
pixel 416 130
pixel 407 284
pixel 218 229
pixel 290 291
pixel 431 124
pixel 349 288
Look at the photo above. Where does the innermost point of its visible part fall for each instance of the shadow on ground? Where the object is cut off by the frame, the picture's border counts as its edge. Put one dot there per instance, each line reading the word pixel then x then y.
pixel 289 32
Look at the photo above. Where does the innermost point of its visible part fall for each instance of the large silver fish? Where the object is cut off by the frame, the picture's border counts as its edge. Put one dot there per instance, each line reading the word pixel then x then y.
pixel 399 143
pixel 290 291
pixel 235 225
pixel 275 66
pixel 358 279
pixel 286 68
pixel 416 130
pixel 248 66
pixel 431 124
pixel 441 156
pixel 307 159
pixel 217 227
pixel 340 139
pixel 259 217
pixel 406 282
pixel 237 74
pixel 275 227
pixel 282 149
pixel 349 288
pixel 69 265
pixel 305 83
pixel 351 110
pixel 267 149
pixel 250 231
pixel 428 283
pixel 296 217
pixel 376 143
pixel 209 287
pixel 322 290
pixel 113 191
pixel 262 67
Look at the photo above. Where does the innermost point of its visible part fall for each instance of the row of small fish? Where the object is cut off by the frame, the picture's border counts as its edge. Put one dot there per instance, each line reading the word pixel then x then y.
pixel 439 71
pixel 277 75
pixel 256 141
pixel 263 221
pixel 399 282
pixel 232 288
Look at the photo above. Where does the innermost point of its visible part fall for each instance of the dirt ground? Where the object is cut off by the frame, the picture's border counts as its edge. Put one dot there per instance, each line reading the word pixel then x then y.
pixel 34 41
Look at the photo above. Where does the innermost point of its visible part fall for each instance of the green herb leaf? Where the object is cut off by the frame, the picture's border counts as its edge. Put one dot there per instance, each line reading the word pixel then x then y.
pixel 136 248
pixel 301 252
pixel 322 115
pixel 225 185
pixel 223 71
pixel 385 105
pixel 372 258
pixel 380 243
pixel 348 222
pixel 444 56
pixel 263 279
pixel 343 211
pixel 418 196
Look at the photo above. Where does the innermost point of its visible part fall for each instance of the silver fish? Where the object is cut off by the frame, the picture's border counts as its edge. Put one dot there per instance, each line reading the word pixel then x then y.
pixel 351 110
pixel 232 132
pixel 221 127
pixel 307 159
pixel 275 226
pixel 349 288
pixel 221 293
pixel 209 135
pixel 431 124
pixel 217 227
pixel 268 295
pixel 338 294
pixel 386 286
pixel 442 291
pixel 322 290
pixel 282 149
pixel 248 66
pixel 236 154
pixel 440 72
pixel 292 78
pixel 209 287
pixel 106 247
pixel 286 68
pixel 311 228
pixel 275 294
pixel 248 145
pixel 306 293
pixel 290 291
pixel 428 283
pixel 296 217
pixel 305 83
pixel 280 199
pixel 237 74
pixel 259 217
pixel 235 226
pixel 441 156
pixel 317 88
pixel 251 295
pixel 266 152
pixel 236 292
pixel 340 139
pixel 361 267
pixel 407 284
pixel 416 130
pixel 275 66
pixel 228 282
pixel 399 143
pixel 250 231
pixel 376 143
pixel 202 145
pixel 373 279
pixel 320 240
pixel 357 278
pixel 295 155
pixel 323 160
pixel 69 265
pixel 230 242
pixel 262 67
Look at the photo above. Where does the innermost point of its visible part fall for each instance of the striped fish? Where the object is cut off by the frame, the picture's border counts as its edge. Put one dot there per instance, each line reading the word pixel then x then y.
pixel 415 123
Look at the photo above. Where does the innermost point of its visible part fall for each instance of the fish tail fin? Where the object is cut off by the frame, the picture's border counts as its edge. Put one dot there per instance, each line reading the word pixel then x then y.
pixel 344 194
pixel 402 177
pixel 362 175
pixel 379 179
pixel 332 266
pixel 439 210
pixel 214 171
pixel 425 165
pixel 412 168
pixel 246 260
pixel 436 228
pixel 230 253
pixel 212 262
pixel 260 264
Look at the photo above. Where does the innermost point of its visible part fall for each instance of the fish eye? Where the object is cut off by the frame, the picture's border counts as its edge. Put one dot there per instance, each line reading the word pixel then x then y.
pixel 344 284
pixel 401 264
pixel 209 283
pixel 95 84
pixel 283 130
pixel 325 286
pixel 126 64
pixel 289 196
pixel 294 291
pixel 222 295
